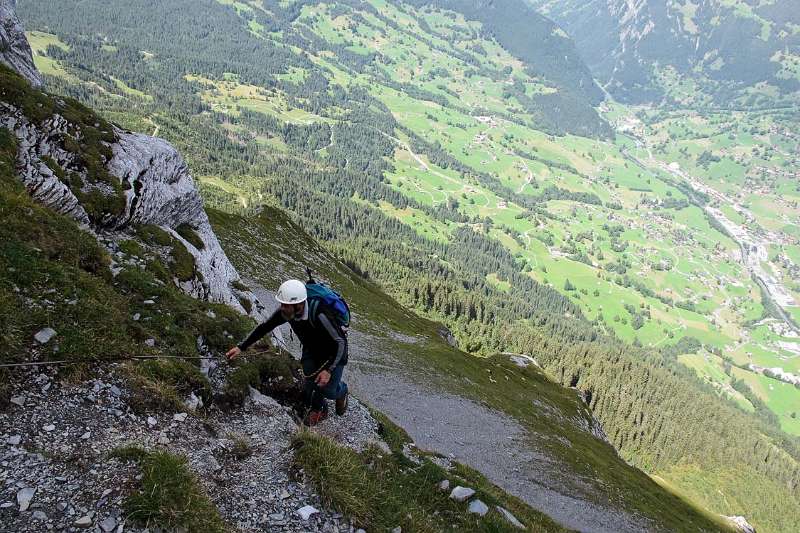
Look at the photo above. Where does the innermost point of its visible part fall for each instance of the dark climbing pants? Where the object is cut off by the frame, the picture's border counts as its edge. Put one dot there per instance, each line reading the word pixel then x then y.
pixel 314 394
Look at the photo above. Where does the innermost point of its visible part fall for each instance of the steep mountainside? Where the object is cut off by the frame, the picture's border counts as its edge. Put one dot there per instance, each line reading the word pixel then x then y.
pixel 733 53
pixel 142 427
pixel 445 159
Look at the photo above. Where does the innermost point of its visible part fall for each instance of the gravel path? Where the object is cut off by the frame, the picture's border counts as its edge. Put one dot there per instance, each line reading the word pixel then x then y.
pixel 487 440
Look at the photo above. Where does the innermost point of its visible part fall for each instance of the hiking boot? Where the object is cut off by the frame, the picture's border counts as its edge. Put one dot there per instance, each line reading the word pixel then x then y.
pixel 341 404
pixel 315 417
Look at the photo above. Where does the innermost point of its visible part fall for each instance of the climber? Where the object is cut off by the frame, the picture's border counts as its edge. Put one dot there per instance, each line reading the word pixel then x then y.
pixel 324 348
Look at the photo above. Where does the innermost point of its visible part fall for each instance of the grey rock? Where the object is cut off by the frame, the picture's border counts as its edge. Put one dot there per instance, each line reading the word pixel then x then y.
pixel 211 314
pixel 61 506
pixel 461 494
pixel 24 497
pixel 260 399
pixel 83 522
pixel 180 417
pixel 150 342
pixel 151 421
pixel 86 436
pixel 44 335
pixel 167 196
pixel 49 427
pixel 444 484
pixel 478 507
pixel 115 390
pixel 137 316
pixel 6 505
pixel 398 529
pixel 193 403
pixel 510 517
pixel 14 440
pixel 306 511
pixel 149 302
pixel 14 48
pixel 39 515
pixel 163 439
pixel 213 464
pixel 109 524
pixel 18 400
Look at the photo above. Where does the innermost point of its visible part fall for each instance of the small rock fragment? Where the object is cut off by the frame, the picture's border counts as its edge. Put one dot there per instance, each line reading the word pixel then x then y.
pixel 285 494
pixel 193 403
pixel 24 497
pixel 306 512
pixel 478 507
pixel 115 390
pixel 510 517
pixel 398 529
pixel 461 494
pixel 109 524
pixel 180 417
pixel 18 400
pixel 150 342
pixel 44 335
pixel 136 317
pixel 83 522
pixel 14 440
pixel 444 484
pixel 49 427
pixel 86 435
pixel 151 421
pixel 39 515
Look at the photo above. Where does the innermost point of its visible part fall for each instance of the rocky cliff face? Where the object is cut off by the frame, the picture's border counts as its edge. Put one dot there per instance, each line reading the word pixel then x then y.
pixel 109 180
pixel 14 48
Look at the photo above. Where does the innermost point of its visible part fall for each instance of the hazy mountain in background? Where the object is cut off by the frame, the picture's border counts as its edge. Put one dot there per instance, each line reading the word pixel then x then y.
pixel 738 52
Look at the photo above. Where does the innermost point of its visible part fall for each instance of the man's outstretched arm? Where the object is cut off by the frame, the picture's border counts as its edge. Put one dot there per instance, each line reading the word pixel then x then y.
pixel 262 329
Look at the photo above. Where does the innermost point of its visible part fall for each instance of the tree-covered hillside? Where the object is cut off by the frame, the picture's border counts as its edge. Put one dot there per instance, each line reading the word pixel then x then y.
pixel 457 163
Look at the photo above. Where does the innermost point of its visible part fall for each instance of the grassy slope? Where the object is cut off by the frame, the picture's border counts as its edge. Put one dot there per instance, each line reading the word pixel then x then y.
pixel 255 246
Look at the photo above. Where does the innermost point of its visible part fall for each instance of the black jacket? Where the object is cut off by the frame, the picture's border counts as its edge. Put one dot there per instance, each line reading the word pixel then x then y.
pixel 322 340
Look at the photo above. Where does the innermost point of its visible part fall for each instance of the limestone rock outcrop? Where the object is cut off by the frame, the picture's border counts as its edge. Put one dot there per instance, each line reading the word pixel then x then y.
pixel 14 48
pixel 145 177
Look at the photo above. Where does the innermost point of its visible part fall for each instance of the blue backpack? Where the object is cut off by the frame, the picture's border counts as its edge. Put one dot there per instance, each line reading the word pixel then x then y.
pixel 319 293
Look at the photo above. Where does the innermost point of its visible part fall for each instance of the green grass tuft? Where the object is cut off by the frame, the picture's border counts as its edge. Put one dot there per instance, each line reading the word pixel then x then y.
pixel 188 232
pixel 161 384
pixel 382 491
pixel 275 373
pixel 171 497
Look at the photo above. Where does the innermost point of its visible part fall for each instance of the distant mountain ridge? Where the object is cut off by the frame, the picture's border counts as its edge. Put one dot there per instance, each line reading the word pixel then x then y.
pixel 729 47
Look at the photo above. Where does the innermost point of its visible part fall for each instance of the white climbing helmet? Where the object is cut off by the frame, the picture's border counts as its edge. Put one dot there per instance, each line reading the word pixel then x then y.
pixel 292 292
